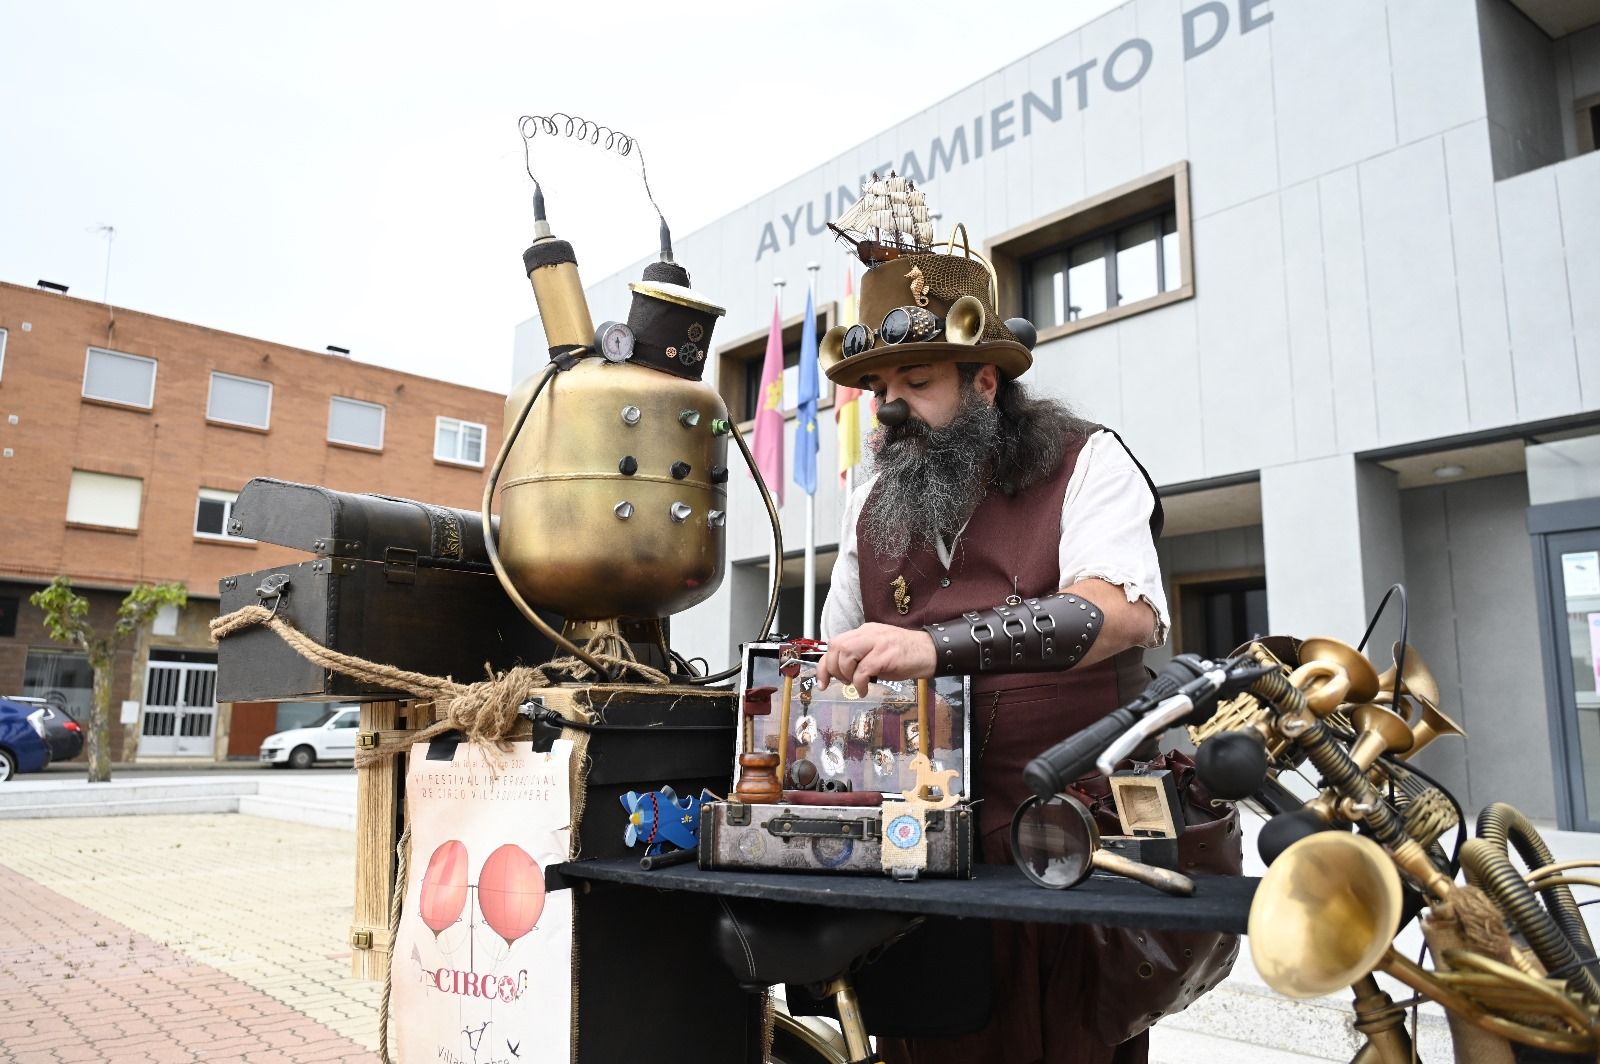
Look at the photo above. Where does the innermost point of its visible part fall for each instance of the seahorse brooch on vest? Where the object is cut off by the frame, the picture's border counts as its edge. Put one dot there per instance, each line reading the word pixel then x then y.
pixel 902 596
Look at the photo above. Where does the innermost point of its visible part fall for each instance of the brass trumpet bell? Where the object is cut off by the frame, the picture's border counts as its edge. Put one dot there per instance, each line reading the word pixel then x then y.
pixel 1325 684
pixel 965 320
pixel 1324 914
pixel 1431 726
pixel 1363 677
pixel 831 349
pixel 1381 731
pixel 1419 680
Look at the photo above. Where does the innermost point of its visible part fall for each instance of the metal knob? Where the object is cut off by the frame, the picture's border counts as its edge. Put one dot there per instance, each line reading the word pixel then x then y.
pixel 719 474
pixel 680 470
pixel 716 518
pixel 720 426
pixel 681 511
pixel 631 414
pixel 628 466
pixel 623 510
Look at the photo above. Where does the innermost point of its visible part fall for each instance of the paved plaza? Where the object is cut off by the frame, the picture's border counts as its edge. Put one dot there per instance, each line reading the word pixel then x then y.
pixel 207 938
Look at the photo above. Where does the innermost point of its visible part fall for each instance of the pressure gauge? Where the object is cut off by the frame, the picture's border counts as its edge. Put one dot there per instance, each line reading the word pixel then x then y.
pixel 615 341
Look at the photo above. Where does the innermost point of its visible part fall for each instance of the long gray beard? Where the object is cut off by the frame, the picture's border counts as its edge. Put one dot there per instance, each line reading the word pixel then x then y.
pixel 930 480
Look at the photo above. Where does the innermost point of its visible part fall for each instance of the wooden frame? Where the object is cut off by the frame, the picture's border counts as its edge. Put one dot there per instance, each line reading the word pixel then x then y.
pixel 1083 220
pixel 732 358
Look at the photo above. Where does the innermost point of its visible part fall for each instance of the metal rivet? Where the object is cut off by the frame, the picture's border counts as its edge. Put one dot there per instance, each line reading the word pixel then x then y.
pixel 719 474
pixel 628 466
pixel 720 426
pixel 680 470
pixel 681 511
pixel 631 415
pixel 944 637
pixel 623 510
pixel 944 581
pixel 1081 606
pixel 688 418
pixel 716 518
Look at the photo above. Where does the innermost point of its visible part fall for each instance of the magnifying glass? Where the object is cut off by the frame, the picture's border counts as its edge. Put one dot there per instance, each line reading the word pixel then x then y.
pixel 1056 843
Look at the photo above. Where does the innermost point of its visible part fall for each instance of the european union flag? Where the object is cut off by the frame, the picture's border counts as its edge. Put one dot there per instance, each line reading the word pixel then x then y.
pixel 805 423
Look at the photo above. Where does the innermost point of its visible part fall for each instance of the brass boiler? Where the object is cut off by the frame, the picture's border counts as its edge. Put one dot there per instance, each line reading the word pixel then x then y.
pixel 614 494
pixel 585 538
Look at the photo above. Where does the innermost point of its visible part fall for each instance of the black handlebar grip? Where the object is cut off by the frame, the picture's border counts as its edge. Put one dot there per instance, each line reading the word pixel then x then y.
pixel 1075 755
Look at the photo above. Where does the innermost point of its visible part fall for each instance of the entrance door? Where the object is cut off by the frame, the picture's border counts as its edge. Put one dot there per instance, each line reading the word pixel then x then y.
pixel 1567 567
pixel 180 709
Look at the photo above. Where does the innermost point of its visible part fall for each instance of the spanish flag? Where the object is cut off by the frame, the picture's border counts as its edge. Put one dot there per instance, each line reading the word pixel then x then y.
pixel 847 401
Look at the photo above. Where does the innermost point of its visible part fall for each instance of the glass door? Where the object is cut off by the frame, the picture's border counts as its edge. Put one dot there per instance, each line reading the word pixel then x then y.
pixel 1571 562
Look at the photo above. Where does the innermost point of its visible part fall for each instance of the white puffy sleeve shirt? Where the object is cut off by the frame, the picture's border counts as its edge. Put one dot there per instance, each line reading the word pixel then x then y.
pixel 1105 534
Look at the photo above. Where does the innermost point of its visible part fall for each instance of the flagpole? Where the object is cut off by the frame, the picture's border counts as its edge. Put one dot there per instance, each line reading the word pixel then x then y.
pixel 774 559
pixel 809 628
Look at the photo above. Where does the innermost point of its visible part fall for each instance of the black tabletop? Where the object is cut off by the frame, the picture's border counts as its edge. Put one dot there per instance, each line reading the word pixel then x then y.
pixel 999 892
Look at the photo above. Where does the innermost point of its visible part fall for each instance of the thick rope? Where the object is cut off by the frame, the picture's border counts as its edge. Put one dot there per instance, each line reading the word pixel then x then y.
pixel 485 712
pixel 402 872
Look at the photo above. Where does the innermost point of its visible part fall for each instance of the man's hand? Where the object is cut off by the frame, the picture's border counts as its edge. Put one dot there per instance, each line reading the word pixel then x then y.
pixel 877 651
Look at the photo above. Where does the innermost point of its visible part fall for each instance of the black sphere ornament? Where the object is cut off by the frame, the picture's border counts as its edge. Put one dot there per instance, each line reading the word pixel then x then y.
pixel 1286 829
pixel 1024 331
pixel 1232 765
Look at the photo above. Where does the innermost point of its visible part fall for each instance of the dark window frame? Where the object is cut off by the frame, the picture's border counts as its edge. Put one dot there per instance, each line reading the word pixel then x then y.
pixel 1106 236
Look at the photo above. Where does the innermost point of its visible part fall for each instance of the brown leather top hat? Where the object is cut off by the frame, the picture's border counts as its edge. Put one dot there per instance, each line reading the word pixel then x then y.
pixel 923 306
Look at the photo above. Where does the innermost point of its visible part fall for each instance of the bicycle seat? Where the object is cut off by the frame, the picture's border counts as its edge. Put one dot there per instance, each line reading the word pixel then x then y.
pixel 764 942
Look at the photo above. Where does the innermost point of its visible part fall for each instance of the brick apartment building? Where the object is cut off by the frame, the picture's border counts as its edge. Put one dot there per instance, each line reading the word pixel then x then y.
pixel 124 439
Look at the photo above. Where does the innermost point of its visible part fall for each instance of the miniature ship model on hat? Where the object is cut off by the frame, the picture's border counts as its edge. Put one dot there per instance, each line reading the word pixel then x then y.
pixel 930 305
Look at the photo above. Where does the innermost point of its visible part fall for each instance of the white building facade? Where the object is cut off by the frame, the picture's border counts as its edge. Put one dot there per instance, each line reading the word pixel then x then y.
pixel 1333 272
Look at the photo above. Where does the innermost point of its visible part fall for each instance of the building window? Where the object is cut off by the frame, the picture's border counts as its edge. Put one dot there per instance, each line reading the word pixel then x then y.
pixel 239 401
pixel 2 352
pixel 104 500
pixel 1117 254
pixel 1586 115
pixel 739 367
pixel 458 441
pixel 9 605
pixel 114 377
pixel 213 515
pixel 1215 614
pixel 353 422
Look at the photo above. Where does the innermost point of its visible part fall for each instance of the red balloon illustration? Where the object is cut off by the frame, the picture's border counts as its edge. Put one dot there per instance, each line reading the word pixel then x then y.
pixel 511 892
pixel 444 886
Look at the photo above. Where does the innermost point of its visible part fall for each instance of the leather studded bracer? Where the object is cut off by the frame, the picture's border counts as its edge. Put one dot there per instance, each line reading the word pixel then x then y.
pixel 1022 635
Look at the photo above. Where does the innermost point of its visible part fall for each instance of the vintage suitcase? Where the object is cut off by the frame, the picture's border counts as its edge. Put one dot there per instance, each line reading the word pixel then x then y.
pixel 393 581
pixel 838 740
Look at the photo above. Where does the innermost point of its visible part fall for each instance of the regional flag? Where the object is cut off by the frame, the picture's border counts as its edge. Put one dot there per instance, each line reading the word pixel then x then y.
pixel 847 401
pixel 768 443
pixel 805 424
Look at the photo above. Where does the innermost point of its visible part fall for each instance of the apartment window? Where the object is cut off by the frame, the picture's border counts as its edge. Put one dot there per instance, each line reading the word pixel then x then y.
pixel 63 677
pixel 239 401
pixel 2 352
pixel 114 377
pixel 213 515
pixel 458 441
pixel 1117 254
pixel 104 500
pixel 739 366
pixel 354 422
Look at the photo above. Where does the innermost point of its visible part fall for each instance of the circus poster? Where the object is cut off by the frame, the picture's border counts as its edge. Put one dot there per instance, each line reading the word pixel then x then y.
pixel 482 970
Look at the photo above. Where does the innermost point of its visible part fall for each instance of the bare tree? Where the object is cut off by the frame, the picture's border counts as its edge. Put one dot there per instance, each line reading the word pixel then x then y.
pixel 66 616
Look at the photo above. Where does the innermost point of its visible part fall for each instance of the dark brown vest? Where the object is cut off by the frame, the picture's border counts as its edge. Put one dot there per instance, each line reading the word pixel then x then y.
pixel 1012 543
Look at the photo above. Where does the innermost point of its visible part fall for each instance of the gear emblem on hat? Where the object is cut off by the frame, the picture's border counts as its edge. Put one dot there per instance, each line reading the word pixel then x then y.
pixel 689 352
pixel 696 331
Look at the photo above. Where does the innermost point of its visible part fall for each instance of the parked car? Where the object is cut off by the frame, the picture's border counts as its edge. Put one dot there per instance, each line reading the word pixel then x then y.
pixel 62 733
pixel 332 738
pixel 23 747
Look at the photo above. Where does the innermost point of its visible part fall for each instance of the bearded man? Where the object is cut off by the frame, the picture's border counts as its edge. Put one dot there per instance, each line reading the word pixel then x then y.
pixel 1006 539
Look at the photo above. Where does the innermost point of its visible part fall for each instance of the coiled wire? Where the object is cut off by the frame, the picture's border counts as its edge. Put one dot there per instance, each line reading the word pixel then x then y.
pixel 576 127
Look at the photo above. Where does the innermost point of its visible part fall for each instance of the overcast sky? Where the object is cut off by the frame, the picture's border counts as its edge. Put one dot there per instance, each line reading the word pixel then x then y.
pixel 351 173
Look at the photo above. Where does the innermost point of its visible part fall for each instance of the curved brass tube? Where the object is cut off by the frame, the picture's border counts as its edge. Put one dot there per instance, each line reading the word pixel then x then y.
pixel 493 550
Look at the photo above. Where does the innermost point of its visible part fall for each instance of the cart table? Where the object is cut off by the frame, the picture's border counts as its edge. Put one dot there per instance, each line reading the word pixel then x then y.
pixel 999 892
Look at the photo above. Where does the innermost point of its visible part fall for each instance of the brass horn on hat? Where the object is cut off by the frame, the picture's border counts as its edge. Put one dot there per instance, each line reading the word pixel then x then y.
pixel 1429 727
pixel 1419 687
pixel 831 349
pixel 1324 917
pixel 965 320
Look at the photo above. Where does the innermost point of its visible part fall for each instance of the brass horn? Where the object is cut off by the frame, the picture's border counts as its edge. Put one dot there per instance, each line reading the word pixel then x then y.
pixel 1380 731
pixel 1324 683
pixel 1431 726
pixel 831 349
pixel 1419 680
pixel 964 321
pixel 1364 683
pixel 1325 915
